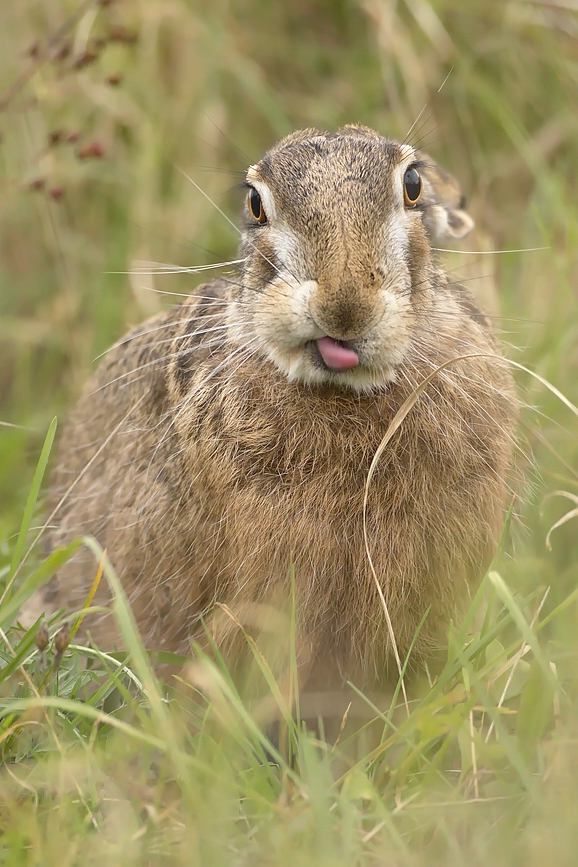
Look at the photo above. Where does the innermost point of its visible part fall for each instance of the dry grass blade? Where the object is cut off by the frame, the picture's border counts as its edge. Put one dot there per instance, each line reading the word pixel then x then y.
pixel 573 513
pixel 394 426
pixel 90 597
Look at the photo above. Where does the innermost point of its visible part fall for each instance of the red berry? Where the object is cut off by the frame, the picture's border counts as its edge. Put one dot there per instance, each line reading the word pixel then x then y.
pixel 92 150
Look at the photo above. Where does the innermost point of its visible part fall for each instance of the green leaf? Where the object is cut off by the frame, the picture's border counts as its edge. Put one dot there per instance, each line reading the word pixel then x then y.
pixel 526 630
pixel 495 653
pixel 32 498
pixel 536 710
pixel 357 785
pixel 35 580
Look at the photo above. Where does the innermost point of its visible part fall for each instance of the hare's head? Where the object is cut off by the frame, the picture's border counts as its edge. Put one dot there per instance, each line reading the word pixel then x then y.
pixel 338 262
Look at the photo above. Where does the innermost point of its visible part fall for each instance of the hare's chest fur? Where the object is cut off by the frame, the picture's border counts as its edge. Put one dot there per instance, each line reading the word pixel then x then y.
pixel 283 471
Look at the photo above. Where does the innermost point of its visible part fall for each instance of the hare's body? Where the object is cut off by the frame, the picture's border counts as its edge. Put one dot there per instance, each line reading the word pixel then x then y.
pixel 222 449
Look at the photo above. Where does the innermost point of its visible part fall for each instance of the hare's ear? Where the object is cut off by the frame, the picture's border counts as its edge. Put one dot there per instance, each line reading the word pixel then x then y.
pixel 445 216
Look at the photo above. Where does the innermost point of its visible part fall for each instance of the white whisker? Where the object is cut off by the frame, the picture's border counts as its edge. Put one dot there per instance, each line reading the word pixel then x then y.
pixel 230 222
pixel 489 252
pixel 144 268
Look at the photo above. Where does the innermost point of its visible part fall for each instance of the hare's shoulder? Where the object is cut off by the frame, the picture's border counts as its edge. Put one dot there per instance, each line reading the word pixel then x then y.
pixel 468 305
pixel 129 390
pixel 144 354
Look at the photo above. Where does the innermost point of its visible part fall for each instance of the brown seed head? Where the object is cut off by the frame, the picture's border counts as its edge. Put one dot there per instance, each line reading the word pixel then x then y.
pixel 122 34
pixel 84 59
pixel 55 137
pixel 63 51
pixel 42 637
pixel 62 640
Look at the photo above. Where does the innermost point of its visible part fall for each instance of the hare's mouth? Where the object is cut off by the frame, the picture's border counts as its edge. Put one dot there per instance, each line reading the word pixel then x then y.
pixel 335 354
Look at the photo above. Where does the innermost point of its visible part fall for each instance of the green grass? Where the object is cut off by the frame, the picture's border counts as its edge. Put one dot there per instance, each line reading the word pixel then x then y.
pixel 100 760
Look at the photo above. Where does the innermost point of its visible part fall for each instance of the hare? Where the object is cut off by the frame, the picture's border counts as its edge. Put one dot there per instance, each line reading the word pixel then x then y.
pixel 220 454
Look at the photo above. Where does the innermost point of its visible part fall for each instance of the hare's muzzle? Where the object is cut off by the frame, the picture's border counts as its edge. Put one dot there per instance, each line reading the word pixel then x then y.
pixel 344 310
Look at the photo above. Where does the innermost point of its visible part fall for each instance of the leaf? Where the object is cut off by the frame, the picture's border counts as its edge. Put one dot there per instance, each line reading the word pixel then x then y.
pixel 36 579
pixel 32 497
pixel 518 680
pixel 357 785
pixel 536 710
pixel 465 745
pixel 526 630
pixel 495 653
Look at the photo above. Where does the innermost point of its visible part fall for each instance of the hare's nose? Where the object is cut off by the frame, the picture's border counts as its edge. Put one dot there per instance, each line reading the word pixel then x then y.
pixel 341 317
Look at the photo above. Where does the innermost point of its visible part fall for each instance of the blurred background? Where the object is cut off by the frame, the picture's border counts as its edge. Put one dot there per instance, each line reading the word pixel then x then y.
pixel 105 106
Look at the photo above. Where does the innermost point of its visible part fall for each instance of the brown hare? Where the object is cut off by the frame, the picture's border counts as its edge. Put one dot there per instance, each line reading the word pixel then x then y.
pixel 223 447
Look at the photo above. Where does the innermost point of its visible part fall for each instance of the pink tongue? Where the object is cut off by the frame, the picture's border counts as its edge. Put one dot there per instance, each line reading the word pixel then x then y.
pixel 336 356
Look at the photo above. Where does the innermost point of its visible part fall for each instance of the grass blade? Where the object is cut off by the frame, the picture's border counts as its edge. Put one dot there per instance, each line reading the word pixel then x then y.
pixel 31 501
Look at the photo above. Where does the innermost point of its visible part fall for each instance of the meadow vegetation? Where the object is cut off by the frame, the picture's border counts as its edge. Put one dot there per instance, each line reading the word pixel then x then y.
pixel 105 107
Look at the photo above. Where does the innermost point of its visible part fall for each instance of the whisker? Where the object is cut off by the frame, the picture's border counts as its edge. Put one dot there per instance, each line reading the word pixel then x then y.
pixel 426 138
pixel 416 121
pixel 222 171
pixel 230 222
pixel 414 124
pixel 161 268
pixel 170 294
pixel 170 324
pixel 230 141
pixel 132 371
pixel 489 252
pixel 175 338
pixel 226 280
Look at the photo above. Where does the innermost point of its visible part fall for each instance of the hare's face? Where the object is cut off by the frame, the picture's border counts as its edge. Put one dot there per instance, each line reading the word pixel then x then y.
pixel 338 261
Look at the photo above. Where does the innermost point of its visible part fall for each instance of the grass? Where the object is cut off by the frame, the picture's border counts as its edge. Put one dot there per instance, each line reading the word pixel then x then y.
pixel 100 760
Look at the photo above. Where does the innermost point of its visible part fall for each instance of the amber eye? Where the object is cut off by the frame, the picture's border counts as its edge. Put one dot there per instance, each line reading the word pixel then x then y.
pixel 411 187
pixel 255 205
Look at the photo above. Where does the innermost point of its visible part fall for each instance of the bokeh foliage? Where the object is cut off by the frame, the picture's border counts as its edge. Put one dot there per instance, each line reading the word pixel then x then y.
pixel 111 114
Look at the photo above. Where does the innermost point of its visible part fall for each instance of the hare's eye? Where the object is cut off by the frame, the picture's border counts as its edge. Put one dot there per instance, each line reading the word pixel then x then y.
pixel 411 187
pixel 255 205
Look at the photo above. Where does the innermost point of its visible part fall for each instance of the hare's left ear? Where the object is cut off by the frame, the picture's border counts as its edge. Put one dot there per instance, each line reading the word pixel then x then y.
pixel 445 217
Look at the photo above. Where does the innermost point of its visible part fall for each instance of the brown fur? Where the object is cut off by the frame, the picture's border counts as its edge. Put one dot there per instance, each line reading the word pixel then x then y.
pixel 235 460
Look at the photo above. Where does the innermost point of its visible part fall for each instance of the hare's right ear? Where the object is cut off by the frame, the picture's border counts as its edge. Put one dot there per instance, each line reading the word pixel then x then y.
pixel 445 217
